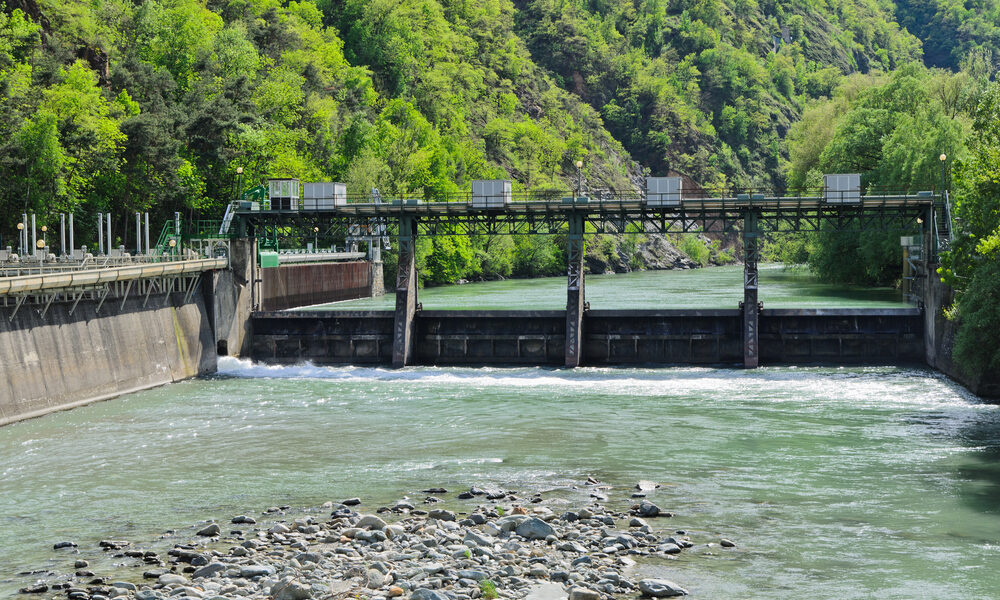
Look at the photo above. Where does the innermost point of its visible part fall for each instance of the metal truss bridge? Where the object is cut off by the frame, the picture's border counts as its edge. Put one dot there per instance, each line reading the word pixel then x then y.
pixel 751 213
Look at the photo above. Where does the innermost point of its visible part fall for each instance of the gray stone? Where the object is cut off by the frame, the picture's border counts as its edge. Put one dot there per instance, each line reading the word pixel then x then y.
pixel 244 520
pixel 441 515
pixel 58 545
pixel 308 557
pixel 81 564
pixel 209 570
pixel 147 595
pixel 249 571
pixel 582 593
pixel 546 591
pixel 427 594
pixel 370 522
pixel 290 590
pixel 279 528
pixel 211 530
pixel 534 529
pixel 374 579
pixel 727 543
pixel 648 509
pixel 172 579
pixel 478 539
pixel 660 588
pixel 124 585
pixel 636 522
pixel 351 502
pixel 472 574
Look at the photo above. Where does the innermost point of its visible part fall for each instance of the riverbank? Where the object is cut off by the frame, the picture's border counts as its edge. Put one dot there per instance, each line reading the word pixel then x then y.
pixel 484 542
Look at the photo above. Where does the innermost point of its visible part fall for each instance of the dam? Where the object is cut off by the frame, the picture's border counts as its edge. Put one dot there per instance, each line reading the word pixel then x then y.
pixel 80 328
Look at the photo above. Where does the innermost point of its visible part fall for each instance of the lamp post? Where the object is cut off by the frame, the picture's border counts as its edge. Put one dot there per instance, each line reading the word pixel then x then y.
pixel 315 239
pixel 20 238
pixel 239 183
pixel 944 171
pixel 172 243
pixel 579 177
pixel 44 229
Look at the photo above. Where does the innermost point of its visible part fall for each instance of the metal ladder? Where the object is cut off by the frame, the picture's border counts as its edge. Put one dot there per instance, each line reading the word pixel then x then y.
pixel 227 219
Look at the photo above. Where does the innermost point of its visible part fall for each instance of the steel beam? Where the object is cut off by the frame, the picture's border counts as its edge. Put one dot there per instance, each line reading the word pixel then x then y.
pixel 406 293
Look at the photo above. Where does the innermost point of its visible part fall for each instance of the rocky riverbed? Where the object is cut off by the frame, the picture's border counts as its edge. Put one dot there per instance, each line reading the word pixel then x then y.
pixel 489 543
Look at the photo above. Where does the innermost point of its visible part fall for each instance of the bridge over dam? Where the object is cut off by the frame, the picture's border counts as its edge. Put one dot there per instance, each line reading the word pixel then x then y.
pixel 748 335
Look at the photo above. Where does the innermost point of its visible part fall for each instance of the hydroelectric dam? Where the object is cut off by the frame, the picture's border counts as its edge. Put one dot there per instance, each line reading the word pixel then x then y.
pixel 79 327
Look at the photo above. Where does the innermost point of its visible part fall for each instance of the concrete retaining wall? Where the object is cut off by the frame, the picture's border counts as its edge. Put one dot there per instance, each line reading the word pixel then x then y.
pixel 293 285
pixel 610 337
pixel 62 360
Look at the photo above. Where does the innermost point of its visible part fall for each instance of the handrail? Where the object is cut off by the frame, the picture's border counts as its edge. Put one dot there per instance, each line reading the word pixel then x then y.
pixel 71 279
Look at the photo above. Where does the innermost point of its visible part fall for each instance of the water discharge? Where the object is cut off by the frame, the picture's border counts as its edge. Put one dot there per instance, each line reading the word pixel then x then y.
pixel 834 482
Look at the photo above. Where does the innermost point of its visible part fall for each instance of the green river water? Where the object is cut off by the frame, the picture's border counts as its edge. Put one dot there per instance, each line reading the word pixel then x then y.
pixel 834 482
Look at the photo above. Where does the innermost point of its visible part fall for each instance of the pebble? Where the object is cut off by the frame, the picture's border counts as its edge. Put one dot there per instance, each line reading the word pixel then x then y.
pixel 727 543
pixel 351 502
pixel 524 548
pixel 59 545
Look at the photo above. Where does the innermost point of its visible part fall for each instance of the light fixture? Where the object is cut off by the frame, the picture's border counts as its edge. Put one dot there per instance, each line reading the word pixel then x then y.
pixel 579 164
pixel 943 157
pixel 20 226
pixel 40 244
pixel 44 228
pixel 920 221
pixel 239 170
pixel 173 243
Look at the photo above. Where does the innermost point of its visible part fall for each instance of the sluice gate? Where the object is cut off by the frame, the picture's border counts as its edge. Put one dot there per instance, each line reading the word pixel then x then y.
pixel 611 337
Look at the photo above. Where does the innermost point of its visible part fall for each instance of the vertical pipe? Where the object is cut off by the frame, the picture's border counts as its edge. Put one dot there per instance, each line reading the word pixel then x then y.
pixel 100 233
pixel 147 234
pixel 62 233
pixel 34 251
pixel 406 293
pixel 71 245
pixel 109 234
pixel 177 230
pixel 138 234
pixel 24 234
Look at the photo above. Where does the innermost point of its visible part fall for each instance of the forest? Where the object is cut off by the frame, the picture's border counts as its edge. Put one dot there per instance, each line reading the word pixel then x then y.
pixel 152 105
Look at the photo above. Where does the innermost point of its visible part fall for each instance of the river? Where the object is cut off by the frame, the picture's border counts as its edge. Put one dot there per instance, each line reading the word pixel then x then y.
pixel 834 482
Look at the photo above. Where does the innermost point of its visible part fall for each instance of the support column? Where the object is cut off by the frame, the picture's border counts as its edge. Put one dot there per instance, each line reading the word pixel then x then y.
pixel 751 254
pixel 575 296
pixel 406 293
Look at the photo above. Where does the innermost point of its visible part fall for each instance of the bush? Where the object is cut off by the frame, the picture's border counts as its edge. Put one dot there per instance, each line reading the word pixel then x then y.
pixel 977 342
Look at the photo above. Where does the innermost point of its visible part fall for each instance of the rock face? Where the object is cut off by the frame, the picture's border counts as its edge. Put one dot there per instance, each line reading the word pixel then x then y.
pixel 655 254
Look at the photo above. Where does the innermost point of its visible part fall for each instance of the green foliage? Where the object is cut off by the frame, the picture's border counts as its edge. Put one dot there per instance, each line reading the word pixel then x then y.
pixel 488 589
pixel 891 129
pixel 696 248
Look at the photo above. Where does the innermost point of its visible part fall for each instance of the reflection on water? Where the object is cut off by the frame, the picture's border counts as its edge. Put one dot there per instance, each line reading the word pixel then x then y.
pixel 713 287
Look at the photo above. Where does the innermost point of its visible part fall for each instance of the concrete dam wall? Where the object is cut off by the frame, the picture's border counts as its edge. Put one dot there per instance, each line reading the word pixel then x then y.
pixel 64 360
pixel 611 337
pixel 294 285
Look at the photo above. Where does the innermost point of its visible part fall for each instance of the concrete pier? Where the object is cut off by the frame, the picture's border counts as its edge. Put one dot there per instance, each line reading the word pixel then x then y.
pixel 575 291
pixel 406 293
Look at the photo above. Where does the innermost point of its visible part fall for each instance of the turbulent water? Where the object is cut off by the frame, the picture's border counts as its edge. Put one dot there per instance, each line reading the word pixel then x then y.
pixel 834 482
